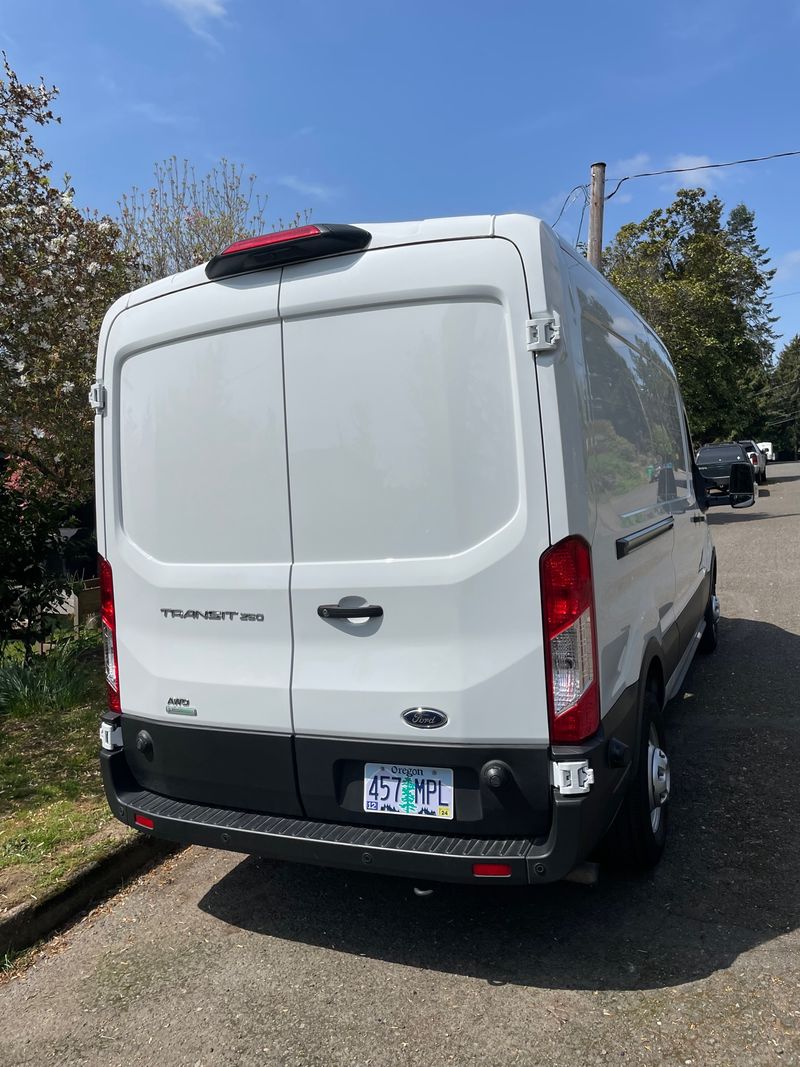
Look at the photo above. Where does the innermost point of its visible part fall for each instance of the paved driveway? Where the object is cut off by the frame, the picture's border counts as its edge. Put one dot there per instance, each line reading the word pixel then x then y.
pixel 216 959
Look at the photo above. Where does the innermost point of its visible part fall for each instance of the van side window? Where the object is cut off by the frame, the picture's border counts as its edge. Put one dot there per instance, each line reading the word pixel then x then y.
pixel 637 460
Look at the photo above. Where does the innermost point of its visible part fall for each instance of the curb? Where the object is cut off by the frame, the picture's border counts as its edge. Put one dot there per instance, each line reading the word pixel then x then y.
pixel 28 923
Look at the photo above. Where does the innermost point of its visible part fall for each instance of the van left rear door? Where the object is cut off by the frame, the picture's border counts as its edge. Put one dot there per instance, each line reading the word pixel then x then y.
pixel 196 509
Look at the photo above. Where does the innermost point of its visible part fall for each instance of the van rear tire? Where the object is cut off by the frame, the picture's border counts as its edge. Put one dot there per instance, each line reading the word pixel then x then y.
pixel 636 838
pixel 710 638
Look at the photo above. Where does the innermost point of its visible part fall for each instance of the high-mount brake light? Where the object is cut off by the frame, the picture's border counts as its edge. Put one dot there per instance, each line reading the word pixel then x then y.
pixel 287 246
pixel 108 626
pixel 570 641
pixel 277 238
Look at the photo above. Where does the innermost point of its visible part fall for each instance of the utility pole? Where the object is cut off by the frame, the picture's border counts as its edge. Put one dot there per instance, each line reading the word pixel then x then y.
pixel 596 205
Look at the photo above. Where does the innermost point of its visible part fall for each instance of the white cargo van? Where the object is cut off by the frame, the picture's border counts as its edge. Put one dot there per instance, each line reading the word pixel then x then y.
pixel 403 553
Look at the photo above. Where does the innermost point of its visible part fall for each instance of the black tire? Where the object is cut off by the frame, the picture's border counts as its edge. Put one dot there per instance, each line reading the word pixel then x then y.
pixel 636 839
pixel 710 638
pixel 764 477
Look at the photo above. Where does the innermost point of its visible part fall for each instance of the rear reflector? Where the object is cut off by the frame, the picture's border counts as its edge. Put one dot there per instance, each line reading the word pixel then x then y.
pixel 287 246
pixel 491 870
pixel 143 821
pixel 570 641
pixel 108 627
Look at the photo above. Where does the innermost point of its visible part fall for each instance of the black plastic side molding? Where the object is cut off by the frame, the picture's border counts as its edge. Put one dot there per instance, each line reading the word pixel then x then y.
pixel 626 544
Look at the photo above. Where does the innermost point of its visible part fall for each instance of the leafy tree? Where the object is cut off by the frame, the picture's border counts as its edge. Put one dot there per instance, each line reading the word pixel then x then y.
pixel 703 285
pixel 183 219
pixel 59 271
pixel 783 400
pixel 33 560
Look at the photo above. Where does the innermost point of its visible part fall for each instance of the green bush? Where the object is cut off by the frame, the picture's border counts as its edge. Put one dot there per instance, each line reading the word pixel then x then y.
pixel 62 678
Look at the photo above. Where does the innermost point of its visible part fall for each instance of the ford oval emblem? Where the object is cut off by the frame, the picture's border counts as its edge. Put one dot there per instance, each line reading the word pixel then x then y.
pixel 425 718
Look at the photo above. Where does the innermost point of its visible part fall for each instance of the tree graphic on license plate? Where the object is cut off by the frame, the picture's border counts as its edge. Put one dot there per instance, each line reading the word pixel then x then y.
pixel 408 796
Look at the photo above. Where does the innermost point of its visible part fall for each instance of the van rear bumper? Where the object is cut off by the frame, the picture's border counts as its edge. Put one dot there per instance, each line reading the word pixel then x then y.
pixel 577 823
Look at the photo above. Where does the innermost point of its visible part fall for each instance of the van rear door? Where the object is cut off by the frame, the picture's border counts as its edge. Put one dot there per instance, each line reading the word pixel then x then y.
pixel 417 488
pixel 197 515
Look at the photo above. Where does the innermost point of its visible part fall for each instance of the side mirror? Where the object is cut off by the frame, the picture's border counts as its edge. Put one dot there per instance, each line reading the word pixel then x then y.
pixel 741 491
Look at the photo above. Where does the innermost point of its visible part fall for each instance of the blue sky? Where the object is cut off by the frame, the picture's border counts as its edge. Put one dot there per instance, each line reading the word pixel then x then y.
pixel 385 110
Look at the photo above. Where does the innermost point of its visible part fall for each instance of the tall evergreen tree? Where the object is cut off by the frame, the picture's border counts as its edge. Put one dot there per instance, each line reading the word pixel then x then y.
pixel 783 400
pixel 703 285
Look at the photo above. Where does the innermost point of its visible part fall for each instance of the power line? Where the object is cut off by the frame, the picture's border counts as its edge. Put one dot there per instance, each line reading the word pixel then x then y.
pixel 775 386
pixel 702 166
pixel 583 214
pixel 780 296
pixel 566 201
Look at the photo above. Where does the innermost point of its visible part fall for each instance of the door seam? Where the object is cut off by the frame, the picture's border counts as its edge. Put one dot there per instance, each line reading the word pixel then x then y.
pixel 291 553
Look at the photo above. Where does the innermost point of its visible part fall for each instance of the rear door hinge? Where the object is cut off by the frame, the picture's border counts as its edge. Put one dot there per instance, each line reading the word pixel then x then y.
pixel 544 331
pixel 572 777
pixel 97 397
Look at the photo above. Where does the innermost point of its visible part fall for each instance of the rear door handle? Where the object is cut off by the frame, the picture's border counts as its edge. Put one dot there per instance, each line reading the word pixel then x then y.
pixel 334 611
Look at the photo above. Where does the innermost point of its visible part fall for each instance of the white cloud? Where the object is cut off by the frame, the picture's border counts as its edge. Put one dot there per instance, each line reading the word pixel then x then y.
pixel 317 192
pixel 158 115
pixel 787 266
pixel 631 165
pixel 706 179
pixel 198 14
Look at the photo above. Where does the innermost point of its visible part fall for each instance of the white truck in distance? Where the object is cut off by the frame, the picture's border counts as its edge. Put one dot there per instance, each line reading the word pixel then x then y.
pixel 403 553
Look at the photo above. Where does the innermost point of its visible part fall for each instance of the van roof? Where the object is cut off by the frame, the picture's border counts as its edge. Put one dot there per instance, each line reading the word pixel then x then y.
pixel 384 235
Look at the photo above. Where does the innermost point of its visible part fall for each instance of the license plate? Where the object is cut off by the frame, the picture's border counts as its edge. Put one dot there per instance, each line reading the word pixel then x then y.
pixel 397 789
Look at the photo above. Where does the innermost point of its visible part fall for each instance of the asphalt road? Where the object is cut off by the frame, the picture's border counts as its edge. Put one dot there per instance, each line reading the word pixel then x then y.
pixel 218 959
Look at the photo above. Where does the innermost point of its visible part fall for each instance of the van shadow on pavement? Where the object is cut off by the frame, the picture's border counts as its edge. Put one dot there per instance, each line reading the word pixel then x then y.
pixel 728 881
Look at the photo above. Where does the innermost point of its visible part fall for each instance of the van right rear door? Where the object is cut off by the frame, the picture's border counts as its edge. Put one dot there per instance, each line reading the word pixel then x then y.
pixel 416 484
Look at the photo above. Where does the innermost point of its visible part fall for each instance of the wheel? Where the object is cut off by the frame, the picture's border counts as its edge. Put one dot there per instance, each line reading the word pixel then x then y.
pixel 764 477
pixel 638 834
pixel 710 638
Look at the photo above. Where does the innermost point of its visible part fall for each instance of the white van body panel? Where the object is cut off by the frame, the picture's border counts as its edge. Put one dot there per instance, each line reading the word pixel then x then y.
pixel 417 483
pixel 453 562
pixel 196 505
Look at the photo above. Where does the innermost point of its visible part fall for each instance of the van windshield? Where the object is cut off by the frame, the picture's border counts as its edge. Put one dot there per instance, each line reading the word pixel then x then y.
pixel 721 454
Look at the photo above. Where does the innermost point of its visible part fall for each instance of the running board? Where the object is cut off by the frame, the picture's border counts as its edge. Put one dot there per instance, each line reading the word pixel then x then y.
pixel 680 672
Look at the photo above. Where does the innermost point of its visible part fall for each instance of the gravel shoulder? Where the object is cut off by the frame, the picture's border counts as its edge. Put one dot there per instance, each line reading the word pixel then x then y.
pixel 218 959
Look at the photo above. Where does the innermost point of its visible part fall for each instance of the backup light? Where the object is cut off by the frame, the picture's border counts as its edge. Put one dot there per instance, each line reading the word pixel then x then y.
pixel 286 246
pixel 570 641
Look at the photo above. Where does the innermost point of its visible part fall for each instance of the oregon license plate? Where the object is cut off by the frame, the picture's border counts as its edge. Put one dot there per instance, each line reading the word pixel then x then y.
pixel 408 790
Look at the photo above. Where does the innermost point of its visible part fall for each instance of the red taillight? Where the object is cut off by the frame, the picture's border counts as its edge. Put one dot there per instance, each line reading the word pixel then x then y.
pixel 108 625
pixel 570 641
pixel 491 870
pixel 144 822
pixel 272 239
pixel 754 460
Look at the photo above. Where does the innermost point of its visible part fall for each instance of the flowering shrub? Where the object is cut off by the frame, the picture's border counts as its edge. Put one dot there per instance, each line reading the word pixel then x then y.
pixel 60 269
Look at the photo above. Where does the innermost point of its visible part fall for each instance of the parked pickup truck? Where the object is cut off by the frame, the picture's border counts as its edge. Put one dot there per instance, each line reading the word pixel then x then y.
pixel 714 463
